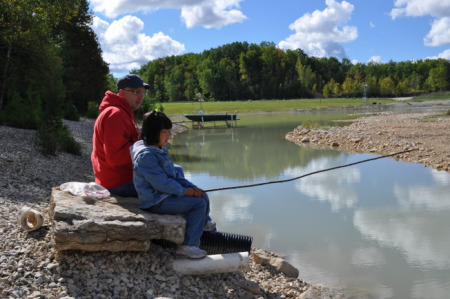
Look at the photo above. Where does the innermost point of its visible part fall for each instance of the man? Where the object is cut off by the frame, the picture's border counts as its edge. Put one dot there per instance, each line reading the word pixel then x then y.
pixel 115 131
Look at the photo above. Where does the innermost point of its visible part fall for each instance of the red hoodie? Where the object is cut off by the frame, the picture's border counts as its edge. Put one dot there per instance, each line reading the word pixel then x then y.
pixel 115 131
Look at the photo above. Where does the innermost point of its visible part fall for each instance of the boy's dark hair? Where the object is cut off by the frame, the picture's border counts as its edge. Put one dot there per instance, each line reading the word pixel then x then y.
pixel 153 123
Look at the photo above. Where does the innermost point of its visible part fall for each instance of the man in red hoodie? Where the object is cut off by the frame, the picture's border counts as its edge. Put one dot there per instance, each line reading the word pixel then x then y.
pixel 115 131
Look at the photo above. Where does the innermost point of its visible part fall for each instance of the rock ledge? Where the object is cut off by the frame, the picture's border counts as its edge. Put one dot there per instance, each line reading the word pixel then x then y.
pixel 111 224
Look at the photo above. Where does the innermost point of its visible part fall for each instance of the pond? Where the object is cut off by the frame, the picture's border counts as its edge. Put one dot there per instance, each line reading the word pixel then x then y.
pixel 373 230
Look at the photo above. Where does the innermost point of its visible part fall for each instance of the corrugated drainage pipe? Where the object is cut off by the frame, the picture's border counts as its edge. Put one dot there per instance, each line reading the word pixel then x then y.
pixel 217 243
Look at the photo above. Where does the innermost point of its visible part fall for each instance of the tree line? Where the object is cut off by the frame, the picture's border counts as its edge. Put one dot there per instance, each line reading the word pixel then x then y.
pixel 242 71
pixel 51 67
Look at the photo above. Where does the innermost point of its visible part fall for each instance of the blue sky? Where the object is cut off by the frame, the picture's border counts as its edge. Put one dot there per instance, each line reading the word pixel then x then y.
pixel 133 32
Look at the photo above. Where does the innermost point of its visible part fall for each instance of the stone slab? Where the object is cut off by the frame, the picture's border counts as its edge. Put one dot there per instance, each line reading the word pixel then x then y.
pixel 112 224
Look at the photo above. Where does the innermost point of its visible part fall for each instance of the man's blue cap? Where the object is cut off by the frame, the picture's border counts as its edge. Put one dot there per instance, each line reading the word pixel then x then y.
pixel 131 81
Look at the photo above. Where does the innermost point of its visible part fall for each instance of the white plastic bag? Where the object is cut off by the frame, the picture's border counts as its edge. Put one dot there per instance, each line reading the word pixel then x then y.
pixel 93 190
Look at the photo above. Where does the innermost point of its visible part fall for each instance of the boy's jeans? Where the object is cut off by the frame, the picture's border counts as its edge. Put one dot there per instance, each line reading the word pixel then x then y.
pixel 194 209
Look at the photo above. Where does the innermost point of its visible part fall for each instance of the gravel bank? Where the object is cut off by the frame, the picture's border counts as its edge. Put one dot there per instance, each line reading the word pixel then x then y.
pixel 31 268
pixel 386 133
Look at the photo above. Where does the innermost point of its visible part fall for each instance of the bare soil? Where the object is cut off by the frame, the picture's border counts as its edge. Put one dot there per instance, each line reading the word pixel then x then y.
pixel 426 133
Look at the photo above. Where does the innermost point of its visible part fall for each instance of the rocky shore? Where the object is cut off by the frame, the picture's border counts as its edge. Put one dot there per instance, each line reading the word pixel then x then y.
pixel 31 268
pixel 426 133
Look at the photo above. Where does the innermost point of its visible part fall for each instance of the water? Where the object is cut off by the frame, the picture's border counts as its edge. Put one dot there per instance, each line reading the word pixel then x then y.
pixel 373 230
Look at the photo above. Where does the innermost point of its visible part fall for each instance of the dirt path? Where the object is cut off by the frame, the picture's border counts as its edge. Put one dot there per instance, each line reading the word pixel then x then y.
pixel 388 133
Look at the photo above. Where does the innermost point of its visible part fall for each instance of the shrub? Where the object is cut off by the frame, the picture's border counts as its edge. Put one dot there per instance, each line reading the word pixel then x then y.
pixel 147 105
pixel 310 125
pixel 71 113
pixel 23 112
pixel 92 111
pixel 53 137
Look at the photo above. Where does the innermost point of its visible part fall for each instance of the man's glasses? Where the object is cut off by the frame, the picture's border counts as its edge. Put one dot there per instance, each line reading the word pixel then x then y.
pixel 137 92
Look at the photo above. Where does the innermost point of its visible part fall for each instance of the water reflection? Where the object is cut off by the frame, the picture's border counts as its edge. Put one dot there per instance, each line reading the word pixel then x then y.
pixel 329 186
pixel 377 229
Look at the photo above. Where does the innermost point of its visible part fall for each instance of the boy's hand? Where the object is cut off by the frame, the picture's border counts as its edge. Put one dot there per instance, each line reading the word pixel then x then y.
pixel 196 192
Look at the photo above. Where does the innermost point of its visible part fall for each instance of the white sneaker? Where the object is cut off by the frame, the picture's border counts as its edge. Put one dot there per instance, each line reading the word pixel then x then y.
pixel 191 252
pixel 210 225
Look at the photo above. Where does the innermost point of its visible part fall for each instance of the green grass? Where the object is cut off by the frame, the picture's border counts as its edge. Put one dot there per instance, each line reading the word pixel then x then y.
pixel 443 95
pixel 286 105
pixel 265 106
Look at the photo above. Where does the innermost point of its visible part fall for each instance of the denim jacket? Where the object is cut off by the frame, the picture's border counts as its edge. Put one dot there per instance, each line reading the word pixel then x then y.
pixel 154 175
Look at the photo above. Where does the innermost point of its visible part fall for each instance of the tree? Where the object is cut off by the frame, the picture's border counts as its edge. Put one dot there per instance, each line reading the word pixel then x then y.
pixel 305 76
pixel 437 79
pixel 85 72
pixel 387 87
pixel 348 87
pixel 26 28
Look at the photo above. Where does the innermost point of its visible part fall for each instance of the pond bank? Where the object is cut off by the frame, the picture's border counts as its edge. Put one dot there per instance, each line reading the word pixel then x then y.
pixel 426 133
pixel 31 268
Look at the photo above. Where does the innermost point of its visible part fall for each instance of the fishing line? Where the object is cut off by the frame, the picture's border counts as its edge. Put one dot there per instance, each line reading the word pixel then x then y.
pixel 308 174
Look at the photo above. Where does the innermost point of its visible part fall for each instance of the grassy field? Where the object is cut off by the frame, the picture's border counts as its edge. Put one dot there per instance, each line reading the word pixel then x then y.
pixel 261 106
pixel 282 105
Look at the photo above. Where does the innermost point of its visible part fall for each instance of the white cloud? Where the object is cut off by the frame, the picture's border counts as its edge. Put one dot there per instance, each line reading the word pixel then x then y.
pixel 124 48
pixel 439 33
pixel 212 14
pixel 319 33
pixel 444 55
pixel 375 59
pixel 372 25
pixel 206 13
pixel 440 29
pixel 419 8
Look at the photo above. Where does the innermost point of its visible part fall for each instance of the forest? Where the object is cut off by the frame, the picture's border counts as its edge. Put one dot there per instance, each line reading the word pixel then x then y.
pixel 51 63
pixel 51 67
pixel 242 71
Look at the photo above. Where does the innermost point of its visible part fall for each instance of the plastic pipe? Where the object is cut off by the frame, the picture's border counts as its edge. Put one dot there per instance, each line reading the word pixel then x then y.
pixel 217 263
pixel 30 219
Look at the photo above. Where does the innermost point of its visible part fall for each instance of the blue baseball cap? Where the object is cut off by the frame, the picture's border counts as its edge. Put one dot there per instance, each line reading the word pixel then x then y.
pixel 131 81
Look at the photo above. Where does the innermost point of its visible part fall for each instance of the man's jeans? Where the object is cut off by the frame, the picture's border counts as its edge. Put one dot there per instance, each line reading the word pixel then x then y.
pixel 127 190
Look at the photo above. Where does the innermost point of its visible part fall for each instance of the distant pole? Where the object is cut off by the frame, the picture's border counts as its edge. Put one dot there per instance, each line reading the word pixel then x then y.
pixel 365 92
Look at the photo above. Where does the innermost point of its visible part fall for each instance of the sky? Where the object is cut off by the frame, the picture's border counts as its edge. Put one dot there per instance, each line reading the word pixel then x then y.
pixel 133 32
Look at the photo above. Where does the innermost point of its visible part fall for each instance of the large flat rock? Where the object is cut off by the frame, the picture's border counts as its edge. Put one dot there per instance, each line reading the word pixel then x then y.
pixel 112 224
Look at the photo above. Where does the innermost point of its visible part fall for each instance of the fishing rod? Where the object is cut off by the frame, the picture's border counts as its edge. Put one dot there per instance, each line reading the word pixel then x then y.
pixel 311 173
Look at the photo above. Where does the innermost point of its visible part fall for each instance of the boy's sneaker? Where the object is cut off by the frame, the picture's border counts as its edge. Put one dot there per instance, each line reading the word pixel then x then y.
pixel 191 252
pixel 210 226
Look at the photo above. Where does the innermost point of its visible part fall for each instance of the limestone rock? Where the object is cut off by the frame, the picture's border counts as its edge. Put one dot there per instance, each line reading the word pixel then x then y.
pixel 284 267
pixel 250 286
pixel 259 257
pixel 112 224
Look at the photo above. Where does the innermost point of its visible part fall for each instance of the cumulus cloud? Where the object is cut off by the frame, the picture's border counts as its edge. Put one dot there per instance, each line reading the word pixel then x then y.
pixel 125 48
pixel 419 8
pixel 212 14
pixel 375 59
pixel 439 33
pixel 319 33
pixel 444 55
pixel 206 13
pixel 440 29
